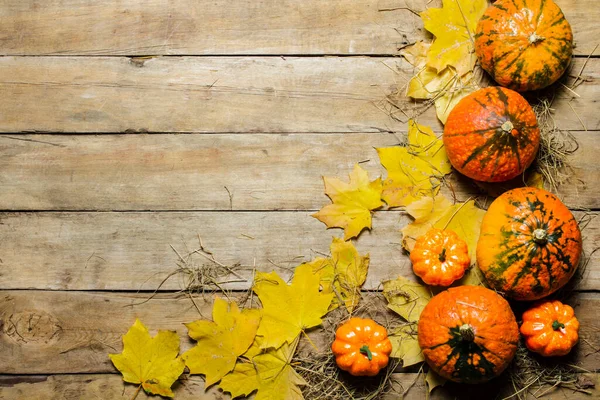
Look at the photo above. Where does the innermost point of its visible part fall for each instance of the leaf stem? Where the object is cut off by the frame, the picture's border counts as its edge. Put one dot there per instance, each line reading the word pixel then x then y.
pixel 310 341
pixel 137 391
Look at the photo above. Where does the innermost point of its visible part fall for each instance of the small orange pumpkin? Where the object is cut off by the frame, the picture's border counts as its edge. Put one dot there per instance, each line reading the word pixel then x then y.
pixel 468 334
pixel 524 46
pixel 550 328
pixel 440 257
pixel 361 347
pixel 491 135
pixel 529 245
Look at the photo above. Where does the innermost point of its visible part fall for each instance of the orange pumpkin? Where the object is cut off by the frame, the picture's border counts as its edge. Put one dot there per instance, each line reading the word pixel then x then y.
pixel 550 328
pixel 440 257
pixel 361 347
pixel 468 334
pixel 524 45
pixel 529 245
pixel 492 135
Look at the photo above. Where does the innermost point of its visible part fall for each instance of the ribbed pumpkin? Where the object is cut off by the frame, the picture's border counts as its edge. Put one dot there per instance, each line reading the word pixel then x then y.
pixel 492 135
pixel 524 45
pixel 529 245
pixel 468 334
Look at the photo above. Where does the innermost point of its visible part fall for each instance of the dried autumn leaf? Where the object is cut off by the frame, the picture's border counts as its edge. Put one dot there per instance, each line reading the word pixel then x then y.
pixel 415 170
pixel 439 212
pixel 405 346
pixel 445 87
pixel 433 380
pixel 289 309
pixel 220 341
pixel 269 373
pixel 150 361
pixel 343 274
pixel 406 298
pixel 352 202
pixel 453 26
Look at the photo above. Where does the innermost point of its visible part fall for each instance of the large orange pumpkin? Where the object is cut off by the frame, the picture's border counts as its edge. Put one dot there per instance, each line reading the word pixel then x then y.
pixel 524 45
pixel 468 334
pixel 492 135
pixel 529 245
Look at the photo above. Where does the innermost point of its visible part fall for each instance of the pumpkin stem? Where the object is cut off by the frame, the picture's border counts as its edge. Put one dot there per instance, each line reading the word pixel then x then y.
pixel 442 256
pixel 557 325
pixel 367 352
pixel 466 333
pixel 535 38
pixel 540 236
pixel 507 126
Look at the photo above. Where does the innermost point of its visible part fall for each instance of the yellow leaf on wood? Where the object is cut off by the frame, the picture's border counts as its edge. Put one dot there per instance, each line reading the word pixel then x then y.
pixel 343 274
pixel 269 373
pixel 220 341
pixel 414 170
pixel 453 26
pixel 289 309
pixel 405 346
pixel 150 361
pixel 406 298
pixel 352 202
pixel 433 380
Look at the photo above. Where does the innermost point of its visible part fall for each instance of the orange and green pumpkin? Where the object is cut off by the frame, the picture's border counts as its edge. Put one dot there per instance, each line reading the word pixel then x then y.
pixel 529 245
pixel 524 45
pixel 468 334
pixel 492 135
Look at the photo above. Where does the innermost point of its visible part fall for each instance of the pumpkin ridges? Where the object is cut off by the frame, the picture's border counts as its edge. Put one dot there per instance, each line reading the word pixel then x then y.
pixel 473 358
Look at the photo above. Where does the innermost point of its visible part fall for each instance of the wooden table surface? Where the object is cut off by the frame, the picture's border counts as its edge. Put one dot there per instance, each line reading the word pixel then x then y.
pixel 132 126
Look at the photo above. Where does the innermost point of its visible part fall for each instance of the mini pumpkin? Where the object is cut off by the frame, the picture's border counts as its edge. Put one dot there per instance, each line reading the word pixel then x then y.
pixel 361 347
pixel 526 45
pixel 491 135
pixel 468 334
pixel 529 244
pixel 440 257
pixel 550 328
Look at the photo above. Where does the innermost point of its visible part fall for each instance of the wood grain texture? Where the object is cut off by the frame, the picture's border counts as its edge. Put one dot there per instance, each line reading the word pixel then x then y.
pixel 218 27
pixel 228 94
pixel 73 332
pixel 131 251
pixel 215 172
pixel 111 386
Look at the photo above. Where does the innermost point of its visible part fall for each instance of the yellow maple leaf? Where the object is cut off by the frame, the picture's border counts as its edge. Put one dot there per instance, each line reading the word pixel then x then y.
pixel 343 274
pixel 289 309
pixel 453 26
pixel 415 170
pixel 405 346
pixel 269 373
pixel 439 212
pixel 445 87
pixel 352 202
pixel 406 298
pixel 221 341
pixel 151 362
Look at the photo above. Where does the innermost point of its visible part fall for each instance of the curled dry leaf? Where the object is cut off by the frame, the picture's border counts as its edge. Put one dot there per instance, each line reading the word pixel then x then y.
pixel 343 273
pixel 405 346
pixel 415 170
pixel 433 380
pixel 453 26
pixel 289 309
pixel 221 341
pixel 406 298
pixel 151 362
pixel 352 202
pixel 269 373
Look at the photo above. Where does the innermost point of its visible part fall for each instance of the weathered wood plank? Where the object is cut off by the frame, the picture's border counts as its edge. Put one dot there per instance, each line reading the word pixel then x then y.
pixel 131 251
pixel 220 27
pixel 213 172
pixel 72 332
pixel 111 386
pixel 226 94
